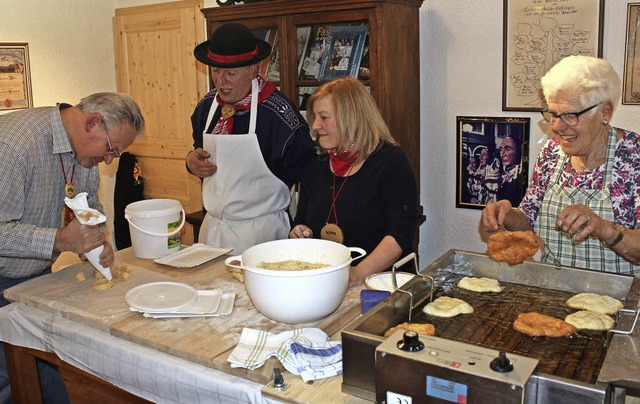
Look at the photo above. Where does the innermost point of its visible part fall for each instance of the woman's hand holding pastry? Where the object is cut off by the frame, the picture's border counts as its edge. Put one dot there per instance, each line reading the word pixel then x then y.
pixel 301 231
pixel 494 214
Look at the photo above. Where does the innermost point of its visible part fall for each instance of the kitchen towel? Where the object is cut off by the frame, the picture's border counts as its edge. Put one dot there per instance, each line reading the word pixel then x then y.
pixel 306 352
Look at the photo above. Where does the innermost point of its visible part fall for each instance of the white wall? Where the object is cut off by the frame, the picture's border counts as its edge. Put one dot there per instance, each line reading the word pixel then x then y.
pixel 70 46
pixel 71 50
pixel 461 75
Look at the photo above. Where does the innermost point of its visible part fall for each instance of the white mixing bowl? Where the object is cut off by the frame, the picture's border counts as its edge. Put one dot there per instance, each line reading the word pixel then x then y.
pixel 296 297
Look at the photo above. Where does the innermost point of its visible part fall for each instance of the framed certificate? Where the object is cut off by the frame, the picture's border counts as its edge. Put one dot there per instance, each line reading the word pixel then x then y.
pixel 15 76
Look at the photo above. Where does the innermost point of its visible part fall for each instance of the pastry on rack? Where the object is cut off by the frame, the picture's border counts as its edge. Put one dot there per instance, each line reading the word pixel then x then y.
pixel 447 307
pixel 593 302
pixel 541 325
pixel 480 284
pixel 590 320
pixel 425 329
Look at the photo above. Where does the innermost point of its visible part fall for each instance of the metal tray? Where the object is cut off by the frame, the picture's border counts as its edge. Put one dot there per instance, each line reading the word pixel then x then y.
pixel 361 337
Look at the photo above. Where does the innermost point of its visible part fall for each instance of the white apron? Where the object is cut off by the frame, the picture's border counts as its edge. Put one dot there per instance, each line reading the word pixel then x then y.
pixel 589 253
pixel 246 204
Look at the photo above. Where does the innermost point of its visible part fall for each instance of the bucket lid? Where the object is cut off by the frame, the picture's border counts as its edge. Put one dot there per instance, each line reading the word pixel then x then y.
pixel 151 208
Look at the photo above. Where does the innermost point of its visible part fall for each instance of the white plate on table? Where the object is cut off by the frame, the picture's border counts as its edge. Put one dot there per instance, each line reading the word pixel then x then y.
pixel 383 281
pixel 161 297
pixel 224 308
pixel 192 256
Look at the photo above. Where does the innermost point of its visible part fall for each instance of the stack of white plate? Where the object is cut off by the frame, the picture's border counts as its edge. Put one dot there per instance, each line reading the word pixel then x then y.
pixel 174 299
pixel 384 281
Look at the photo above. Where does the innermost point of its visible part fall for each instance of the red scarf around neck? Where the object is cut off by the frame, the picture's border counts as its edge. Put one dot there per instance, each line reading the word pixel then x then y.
pixel 342 161
pixel 225 126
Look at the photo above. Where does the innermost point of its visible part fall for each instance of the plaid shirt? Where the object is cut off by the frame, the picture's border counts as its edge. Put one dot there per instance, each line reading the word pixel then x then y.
pixel 32 188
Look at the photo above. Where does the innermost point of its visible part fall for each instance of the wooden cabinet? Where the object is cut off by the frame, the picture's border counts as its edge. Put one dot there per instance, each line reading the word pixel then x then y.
pixel 393 51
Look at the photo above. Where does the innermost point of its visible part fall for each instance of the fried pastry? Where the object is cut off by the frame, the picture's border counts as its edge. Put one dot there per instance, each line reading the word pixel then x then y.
pixel 590 320
pixel 541 325
pixel 447 307
pixel 602 304
pixel 512 247
pixel 480 284
pixel 425 329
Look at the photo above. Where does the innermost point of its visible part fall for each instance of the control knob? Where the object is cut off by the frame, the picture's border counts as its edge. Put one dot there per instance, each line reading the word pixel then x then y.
pixel 410 342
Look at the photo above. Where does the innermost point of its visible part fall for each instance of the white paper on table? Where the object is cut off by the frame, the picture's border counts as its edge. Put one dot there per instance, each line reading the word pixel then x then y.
pixel 86 215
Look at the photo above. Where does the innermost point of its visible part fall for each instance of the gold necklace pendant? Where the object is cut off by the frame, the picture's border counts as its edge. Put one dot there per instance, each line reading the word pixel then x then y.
pixel 227 111
pixel 69 190
pixel 332 232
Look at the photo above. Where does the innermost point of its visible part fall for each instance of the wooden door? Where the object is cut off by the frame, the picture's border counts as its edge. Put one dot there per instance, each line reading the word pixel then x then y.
pixel 155 65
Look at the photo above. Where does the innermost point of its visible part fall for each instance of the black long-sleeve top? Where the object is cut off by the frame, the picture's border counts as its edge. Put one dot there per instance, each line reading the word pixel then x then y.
pixel 378 200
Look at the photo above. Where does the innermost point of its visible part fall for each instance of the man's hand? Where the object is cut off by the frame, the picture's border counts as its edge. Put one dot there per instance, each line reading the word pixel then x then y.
pixel 107 256
pixel 198 164
pixel 78 238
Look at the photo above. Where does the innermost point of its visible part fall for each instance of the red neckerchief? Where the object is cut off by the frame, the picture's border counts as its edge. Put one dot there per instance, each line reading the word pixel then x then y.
pixel 265 89
pixel 342 161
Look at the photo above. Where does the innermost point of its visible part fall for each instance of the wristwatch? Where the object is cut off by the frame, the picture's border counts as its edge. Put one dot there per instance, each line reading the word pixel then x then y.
pixel 619 237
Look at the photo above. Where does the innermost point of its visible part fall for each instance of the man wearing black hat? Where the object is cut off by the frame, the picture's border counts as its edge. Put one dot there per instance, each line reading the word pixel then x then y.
pixel 246 175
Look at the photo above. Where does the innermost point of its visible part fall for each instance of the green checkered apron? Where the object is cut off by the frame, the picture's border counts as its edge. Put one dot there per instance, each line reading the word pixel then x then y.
pixel 559 246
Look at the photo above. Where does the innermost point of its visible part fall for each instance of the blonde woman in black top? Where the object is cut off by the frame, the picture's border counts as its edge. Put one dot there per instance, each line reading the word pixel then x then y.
pixel 361 191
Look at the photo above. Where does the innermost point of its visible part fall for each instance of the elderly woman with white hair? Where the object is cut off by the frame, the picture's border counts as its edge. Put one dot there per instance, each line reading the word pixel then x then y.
pixel 583 200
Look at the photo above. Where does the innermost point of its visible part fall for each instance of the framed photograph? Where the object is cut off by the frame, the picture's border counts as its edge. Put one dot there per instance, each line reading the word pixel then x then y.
pixel 537 34
pixel 345 51
pixel 15 76
pixel 631 79
pixel 492 161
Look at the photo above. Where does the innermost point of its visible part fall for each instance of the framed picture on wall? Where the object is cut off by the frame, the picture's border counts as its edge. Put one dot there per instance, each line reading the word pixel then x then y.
pixel 15 76
pixel 537 34
pixel 631 79
pixel 492 161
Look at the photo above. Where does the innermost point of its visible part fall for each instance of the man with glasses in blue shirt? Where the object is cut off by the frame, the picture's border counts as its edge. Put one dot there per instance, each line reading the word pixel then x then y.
pixel 47 154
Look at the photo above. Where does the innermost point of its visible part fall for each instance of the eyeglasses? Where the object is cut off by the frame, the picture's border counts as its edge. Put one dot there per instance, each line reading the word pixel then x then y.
pixel 568 118
pixel 110 149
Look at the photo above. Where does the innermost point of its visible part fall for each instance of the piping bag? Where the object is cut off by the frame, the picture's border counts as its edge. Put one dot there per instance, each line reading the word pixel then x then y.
pixel 87 215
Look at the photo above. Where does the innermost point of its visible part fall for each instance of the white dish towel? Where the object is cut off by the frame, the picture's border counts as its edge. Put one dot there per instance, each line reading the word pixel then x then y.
pixel 307 352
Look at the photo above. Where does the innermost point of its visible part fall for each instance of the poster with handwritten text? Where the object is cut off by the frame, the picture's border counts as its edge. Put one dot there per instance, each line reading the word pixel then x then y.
pixel 537 34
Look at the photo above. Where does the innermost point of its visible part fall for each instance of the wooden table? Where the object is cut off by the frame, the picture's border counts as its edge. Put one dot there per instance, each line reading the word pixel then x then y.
pixel 204 341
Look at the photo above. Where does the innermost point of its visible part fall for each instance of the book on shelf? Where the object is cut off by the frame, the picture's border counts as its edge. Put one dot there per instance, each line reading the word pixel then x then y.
pixel 315 53
pixel 270 66
pixel 302 41
pixel 346 46
pixel 364 73
pixel 273 69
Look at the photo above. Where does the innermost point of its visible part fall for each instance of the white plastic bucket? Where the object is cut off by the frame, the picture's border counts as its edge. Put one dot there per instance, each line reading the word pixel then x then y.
pixel 155 226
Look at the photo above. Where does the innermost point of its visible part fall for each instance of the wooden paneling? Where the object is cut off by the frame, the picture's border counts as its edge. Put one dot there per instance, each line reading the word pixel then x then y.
pixel 155 64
